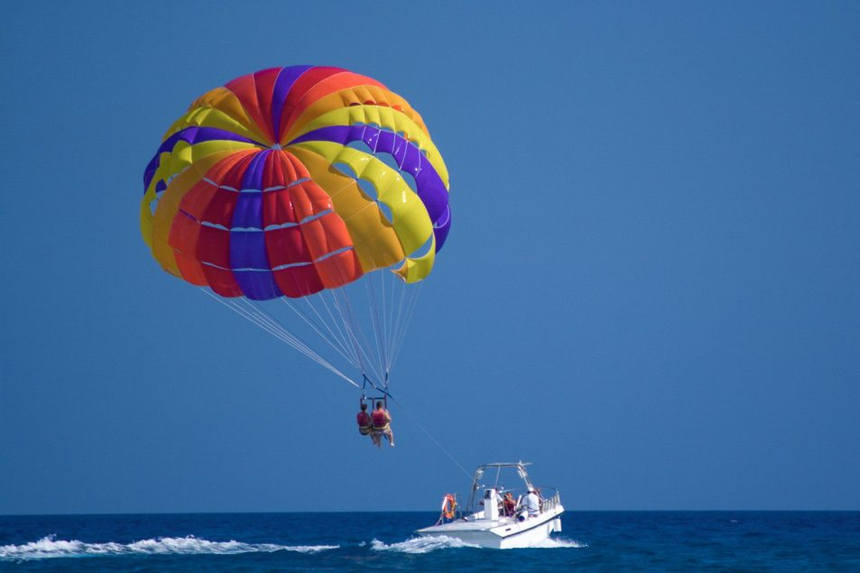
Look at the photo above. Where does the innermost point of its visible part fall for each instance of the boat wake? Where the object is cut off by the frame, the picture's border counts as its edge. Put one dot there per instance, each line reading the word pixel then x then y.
pixel 51 547
pixel 418 545
pixel 558 543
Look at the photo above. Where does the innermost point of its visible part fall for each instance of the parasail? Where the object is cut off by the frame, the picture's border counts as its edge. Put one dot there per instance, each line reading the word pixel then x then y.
pixel 315 187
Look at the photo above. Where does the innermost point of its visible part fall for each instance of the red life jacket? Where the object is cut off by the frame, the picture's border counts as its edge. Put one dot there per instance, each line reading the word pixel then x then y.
pixel 363 420
pixel 380 421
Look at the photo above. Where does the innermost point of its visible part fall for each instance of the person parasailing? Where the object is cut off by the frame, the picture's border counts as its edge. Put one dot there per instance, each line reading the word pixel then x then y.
pixel 382 425
pixel 365 424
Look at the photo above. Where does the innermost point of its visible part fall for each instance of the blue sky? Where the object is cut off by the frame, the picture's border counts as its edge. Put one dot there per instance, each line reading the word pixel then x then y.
pixel 651 288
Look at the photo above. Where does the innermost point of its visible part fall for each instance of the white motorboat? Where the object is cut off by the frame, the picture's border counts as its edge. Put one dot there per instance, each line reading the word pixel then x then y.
pixel 488 521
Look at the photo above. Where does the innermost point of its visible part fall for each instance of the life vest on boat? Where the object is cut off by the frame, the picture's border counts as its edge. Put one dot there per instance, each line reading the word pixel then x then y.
pixel 380 421
pixel 364 423
pixel 449 506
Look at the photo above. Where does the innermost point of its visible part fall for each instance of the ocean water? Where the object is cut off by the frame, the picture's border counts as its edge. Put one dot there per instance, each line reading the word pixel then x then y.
pixel 591 541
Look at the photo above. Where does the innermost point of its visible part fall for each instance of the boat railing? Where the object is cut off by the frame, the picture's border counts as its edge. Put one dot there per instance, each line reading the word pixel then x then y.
pixel 550 503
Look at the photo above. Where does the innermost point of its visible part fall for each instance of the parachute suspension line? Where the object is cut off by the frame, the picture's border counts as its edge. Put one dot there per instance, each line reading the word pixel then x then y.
pixel 330 338
pixel 387 315
pixel 277 330
pixel 432 438
pixel 392 316
pixel 378 330
pixel 264 323
pixel 404 327
pixel 383 334
pixel 400 291
pixel 345 321
pixel 353 327
pixel 343 337
pixel 364 343
pixel 348 329
pixel 262 315
pixel 404 295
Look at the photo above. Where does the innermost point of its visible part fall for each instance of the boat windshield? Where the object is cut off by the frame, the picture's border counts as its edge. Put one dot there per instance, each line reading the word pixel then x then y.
pixel 503 477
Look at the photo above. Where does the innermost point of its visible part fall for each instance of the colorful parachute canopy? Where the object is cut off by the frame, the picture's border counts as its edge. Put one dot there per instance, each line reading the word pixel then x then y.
pixel 293 180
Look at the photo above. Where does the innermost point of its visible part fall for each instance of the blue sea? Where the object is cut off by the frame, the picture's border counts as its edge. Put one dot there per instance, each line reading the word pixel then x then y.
pixel 591 541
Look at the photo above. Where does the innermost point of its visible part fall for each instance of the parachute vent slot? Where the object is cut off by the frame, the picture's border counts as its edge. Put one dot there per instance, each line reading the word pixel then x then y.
pixel 281 267
pixel 345 169
pixel 290 184
pixel 304 221
pixel 250 190
pixel 361 145
pixel 423 250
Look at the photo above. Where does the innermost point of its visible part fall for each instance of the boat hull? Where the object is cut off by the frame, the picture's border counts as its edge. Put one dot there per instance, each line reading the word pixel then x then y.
pixel 505 533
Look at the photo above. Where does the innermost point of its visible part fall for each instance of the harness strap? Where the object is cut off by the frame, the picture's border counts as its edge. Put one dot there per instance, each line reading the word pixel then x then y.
pixel 384 389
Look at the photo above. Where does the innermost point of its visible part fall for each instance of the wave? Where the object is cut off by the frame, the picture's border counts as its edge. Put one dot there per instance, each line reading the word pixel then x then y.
pixel 418 545
pixel 558 543
pixel 51 547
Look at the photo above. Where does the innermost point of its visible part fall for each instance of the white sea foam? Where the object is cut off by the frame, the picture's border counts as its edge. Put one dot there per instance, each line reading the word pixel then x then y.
pixel 50 546
pixel 558 543
pixel 426 544
pixel 419 545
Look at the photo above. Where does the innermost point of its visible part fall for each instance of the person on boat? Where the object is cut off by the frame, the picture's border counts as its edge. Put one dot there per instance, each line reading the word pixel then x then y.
pixel 532 503
pixel 510 504
pixel 382 425
pixel 365 424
